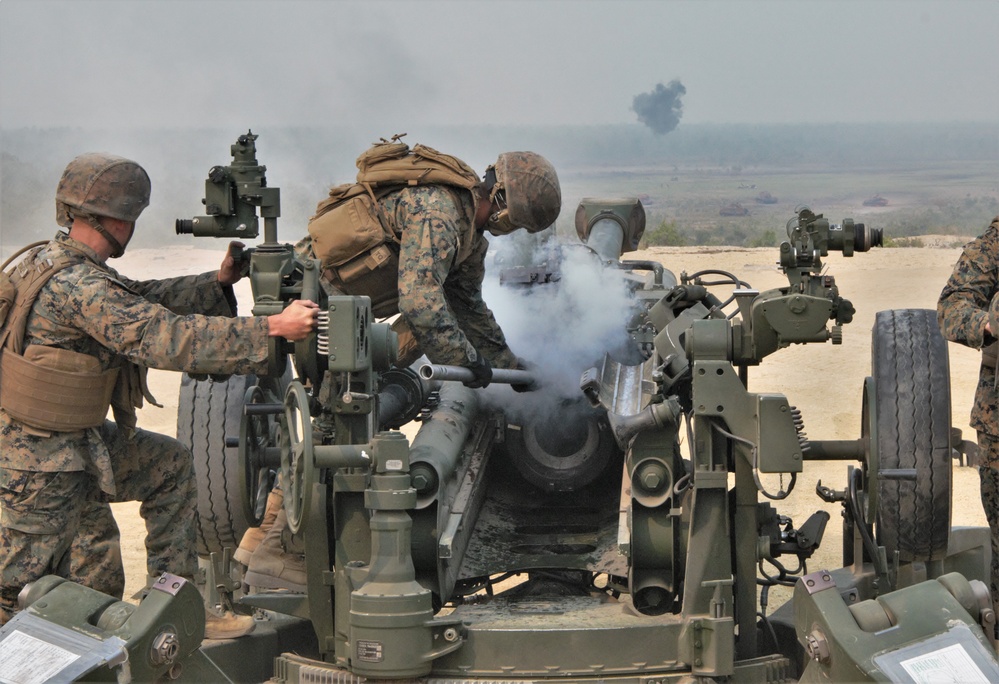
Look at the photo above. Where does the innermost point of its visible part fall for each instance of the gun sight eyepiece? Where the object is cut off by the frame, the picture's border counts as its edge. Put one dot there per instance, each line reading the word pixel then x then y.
pixel 864 238
pixel 240 227
pixel 853 237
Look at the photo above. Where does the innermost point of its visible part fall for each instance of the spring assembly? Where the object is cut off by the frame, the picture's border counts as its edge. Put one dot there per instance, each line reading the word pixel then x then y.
pixel 799 426
pixel 323 333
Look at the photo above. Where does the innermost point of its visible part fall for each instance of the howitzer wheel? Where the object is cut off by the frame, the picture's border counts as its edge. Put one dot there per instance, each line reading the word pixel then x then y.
pixel 255 435
pixel 911 373
pixel 298 467
pixel 207 411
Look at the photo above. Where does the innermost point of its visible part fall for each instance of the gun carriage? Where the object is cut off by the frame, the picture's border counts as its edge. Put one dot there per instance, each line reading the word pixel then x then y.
pixel 618 533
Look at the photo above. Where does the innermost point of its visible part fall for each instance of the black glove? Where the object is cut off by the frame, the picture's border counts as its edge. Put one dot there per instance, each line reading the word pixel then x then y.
pixel 525 386
pixel 482 371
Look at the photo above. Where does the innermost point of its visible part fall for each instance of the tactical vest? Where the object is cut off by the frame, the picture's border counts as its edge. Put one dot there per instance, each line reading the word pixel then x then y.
pixel 358 249
pixel 45 387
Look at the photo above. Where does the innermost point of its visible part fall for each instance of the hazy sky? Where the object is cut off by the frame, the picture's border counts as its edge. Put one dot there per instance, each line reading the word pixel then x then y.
pixel 388 65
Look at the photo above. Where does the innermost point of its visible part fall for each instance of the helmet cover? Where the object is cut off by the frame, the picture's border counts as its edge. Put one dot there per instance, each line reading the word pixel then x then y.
pixel 528 183
pixel 98 184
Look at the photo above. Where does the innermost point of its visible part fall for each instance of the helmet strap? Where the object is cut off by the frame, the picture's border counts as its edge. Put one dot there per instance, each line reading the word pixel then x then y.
pixel 490 183
pixel 499 223
pixel 489 178
pixel 116 247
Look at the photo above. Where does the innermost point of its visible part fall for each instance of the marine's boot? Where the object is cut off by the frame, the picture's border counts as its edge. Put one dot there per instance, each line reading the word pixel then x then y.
pixel 254 535
pixel 272 566
pixel 219 624
pixel 227 625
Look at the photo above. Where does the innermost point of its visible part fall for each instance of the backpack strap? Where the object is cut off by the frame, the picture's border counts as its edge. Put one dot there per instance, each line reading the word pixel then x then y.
pixel 40 243
pixel 27 278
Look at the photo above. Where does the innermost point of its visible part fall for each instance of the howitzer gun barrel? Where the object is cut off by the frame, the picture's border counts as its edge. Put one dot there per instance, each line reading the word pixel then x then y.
pixel 437 448
pixel 501 376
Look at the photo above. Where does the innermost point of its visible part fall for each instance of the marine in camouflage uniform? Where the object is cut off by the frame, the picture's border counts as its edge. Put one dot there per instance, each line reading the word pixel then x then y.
pixel 442 251
pixel 440 296
pixel 56 485
pixel 967 303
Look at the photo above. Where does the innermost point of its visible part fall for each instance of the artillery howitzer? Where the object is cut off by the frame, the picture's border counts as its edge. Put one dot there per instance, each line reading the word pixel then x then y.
pixel 623 540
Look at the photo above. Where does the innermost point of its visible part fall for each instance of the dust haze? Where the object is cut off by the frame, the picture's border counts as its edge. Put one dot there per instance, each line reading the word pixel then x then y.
pixel 172 83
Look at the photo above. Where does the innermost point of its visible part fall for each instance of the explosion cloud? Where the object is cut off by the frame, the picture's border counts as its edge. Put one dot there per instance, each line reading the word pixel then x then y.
pixel 660 109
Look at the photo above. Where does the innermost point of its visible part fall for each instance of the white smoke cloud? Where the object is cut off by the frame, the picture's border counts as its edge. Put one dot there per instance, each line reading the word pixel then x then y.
pixel 566 327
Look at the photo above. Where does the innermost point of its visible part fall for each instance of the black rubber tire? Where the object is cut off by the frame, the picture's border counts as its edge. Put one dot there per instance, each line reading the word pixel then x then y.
pixel 209 411
pixel 911 372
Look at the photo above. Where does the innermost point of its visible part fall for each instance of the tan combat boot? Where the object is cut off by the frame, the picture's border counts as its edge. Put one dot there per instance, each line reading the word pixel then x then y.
pixel 226 624
pixel 219 624
pixel 254 535
pixel 271 566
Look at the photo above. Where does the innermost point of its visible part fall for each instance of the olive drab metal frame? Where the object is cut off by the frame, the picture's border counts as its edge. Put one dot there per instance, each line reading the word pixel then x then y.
pixel 397 536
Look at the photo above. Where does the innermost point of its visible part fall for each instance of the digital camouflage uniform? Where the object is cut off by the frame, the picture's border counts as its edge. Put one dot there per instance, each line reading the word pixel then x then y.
pixel 55 486
pixel 962 312
pixel 440 294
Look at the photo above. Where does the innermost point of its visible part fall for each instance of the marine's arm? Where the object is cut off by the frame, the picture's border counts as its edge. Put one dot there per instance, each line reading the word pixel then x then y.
pixel 208 293
pixel 151 335
pixel 464 292
pixel 962 310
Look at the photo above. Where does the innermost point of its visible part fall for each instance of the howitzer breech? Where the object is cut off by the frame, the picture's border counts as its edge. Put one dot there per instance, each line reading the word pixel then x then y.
pixel 501 376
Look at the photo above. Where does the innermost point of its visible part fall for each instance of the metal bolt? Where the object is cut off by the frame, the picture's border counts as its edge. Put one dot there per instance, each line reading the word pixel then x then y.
pixel 651 476
pixel 816 645
pixel 450 634
pixel 651 480
pixel 164 649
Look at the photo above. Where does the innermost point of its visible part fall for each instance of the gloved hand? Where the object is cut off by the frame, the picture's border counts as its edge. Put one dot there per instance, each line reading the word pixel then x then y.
pixel 483 373
pixel 531 386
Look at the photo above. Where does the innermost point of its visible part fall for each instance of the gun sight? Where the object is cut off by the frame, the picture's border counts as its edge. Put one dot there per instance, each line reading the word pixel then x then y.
pixel 233 195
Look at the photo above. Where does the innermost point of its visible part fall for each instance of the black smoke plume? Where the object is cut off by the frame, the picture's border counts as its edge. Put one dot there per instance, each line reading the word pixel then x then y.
pixel 661 109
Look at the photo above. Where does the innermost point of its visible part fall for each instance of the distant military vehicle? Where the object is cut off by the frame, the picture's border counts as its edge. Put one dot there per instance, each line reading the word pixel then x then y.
pixel 766 198
pixel 876 201
pixel 621 533
pixel 733 209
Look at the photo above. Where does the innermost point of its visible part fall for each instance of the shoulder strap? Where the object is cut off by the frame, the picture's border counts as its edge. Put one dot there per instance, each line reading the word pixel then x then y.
pixel 21 251
pixel 28 278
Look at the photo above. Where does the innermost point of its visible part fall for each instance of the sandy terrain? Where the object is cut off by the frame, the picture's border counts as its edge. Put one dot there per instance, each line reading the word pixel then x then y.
pixel 822 380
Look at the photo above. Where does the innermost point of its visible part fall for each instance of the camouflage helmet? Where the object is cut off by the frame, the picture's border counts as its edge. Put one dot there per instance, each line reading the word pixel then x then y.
pixel 529 186
pixel 98 184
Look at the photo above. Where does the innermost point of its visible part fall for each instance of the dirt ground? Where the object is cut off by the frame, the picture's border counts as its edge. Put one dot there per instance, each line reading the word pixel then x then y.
pixel 823 381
